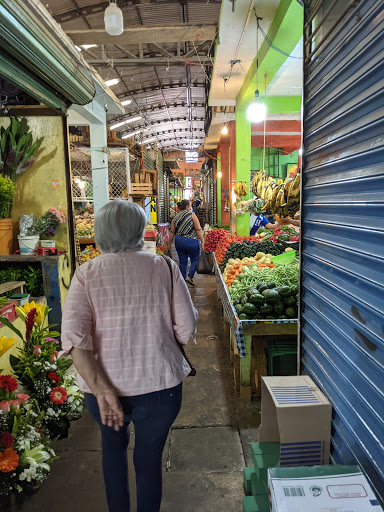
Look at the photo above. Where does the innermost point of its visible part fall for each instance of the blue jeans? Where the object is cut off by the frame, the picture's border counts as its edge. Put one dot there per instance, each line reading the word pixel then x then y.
pixel 152 415
pixel 187 247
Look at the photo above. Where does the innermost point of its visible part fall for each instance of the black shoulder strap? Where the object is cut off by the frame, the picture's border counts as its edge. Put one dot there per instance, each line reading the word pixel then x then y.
pixel 181 347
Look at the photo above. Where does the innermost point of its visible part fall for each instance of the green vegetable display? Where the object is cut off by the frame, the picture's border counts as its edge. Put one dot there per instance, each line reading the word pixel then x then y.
pixel 283 276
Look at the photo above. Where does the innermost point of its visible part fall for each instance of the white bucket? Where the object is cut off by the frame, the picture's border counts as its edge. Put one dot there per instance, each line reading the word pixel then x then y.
pixel 27 244
pixel 48 243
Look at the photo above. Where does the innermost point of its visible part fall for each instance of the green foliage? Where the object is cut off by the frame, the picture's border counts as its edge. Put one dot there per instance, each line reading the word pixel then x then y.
pixel 32 275
pixel 16 148
pixel 7 193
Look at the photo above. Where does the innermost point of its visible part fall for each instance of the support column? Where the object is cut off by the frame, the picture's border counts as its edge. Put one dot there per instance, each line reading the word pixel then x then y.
pixel 224 151
pixel 243 164
pixel 218 190
pixel 232 178
pixel 99 162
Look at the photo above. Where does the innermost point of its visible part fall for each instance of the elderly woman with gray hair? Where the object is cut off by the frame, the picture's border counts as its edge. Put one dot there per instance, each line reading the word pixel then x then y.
pixel 125 314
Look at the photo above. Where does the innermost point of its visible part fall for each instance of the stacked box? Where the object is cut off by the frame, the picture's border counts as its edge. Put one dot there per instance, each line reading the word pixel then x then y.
pixel 264 456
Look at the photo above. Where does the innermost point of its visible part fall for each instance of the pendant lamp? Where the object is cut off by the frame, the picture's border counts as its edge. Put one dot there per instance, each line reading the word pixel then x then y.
pixel 113 19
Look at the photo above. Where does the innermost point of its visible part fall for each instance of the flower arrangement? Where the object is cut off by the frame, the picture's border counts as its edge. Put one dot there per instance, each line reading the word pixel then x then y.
pixel 47 224
pixel 25 449
pixel 43 375
pixel 25 446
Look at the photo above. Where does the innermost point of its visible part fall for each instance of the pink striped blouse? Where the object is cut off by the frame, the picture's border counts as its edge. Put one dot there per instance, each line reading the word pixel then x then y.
pixel 121 306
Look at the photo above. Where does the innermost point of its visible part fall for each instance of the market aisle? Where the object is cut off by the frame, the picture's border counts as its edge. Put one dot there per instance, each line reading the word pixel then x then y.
pixel 207 447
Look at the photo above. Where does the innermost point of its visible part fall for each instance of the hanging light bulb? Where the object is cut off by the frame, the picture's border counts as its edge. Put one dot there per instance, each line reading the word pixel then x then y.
pixel 224 131
pixel 113 19
pixel 219 174
pixel 256 111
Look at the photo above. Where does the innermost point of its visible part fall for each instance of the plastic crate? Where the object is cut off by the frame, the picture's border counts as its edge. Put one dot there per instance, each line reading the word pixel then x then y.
pixel 282 358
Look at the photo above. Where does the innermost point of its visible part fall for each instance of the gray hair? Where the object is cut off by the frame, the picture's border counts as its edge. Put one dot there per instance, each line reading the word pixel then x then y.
pixel 120 226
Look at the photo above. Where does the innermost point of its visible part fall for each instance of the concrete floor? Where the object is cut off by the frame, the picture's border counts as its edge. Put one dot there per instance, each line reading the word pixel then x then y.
pixel 206 449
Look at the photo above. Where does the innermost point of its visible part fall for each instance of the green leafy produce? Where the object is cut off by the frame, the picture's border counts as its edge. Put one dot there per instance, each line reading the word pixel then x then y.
pixel 282 276
pixel 32 275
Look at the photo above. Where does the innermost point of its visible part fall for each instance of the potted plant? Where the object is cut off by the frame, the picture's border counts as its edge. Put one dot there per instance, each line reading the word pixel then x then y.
pixel 29 239
pixel 7 193
pixel 16 150
pixel 49 223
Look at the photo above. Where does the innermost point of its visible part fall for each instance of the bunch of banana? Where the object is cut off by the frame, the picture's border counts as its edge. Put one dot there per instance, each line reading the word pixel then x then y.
pixel 241 189
pixel 279 197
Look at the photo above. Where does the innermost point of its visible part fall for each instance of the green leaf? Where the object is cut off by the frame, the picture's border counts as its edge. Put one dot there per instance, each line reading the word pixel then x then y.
pixel 8 324
pixel 54 334
pixel 14 126
pixel 13 361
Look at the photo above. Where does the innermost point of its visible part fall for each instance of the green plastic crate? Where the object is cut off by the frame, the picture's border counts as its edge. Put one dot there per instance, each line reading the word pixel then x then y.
pixel 249 504
pixel 265 455
pixel 247 473
pixel 258 486
pixel 282 358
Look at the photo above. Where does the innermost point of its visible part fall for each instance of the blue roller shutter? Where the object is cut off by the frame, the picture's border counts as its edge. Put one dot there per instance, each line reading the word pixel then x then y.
pixel 342 313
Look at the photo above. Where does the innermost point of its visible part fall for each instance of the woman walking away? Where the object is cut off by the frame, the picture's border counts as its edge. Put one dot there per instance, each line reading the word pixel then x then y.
pixel 124 314
pixel 186 227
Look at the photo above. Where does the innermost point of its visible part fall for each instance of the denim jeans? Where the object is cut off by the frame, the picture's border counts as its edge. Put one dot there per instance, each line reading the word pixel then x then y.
pixel 187 247
pixel 152 415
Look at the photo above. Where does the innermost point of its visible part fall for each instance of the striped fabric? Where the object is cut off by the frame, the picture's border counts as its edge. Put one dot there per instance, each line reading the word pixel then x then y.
pixel 184 224
pixel 120 306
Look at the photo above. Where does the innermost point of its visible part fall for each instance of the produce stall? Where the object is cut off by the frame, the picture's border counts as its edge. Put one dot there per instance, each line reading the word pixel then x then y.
pixel 259 299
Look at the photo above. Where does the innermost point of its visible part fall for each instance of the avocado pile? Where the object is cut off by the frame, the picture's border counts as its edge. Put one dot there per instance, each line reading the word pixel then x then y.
pixel 268 301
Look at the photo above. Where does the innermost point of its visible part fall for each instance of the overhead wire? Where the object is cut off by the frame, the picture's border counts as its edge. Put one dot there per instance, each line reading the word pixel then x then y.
pixel 269 42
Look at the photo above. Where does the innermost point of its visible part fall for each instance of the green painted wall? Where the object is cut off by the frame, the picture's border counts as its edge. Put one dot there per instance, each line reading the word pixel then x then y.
pixel 281 172
pixel 243 163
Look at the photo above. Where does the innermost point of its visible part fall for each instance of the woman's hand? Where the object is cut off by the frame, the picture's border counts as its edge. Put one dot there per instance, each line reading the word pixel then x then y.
pixel 111 412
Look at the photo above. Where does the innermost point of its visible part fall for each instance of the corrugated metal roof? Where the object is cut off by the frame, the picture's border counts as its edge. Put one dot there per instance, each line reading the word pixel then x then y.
pixel 168 82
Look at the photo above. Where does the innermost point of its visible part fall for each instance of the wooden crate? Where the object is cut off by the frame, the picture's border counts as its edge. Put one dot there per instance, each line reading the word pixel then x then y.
pixel 141 189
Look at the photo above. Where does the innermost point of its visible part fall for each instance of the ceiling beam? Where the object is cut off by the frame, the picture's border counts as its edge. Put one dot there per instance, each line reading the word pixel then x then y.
pixel 101 6
pixel 150 88
pixel 155 124
pixel 167 33
pixel 152 61
pixel 285 33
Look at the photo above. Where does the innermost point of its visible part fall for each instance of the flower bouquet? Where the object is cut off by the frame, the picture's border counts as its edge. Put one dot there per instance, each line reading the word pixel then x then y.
pixel 25 451
pixel 43 375
pixel 49 222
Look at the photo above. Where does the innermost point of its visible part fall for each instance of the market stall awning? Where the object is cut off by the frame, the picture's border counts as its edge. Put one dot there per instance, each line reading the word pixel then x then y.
pixel 38 57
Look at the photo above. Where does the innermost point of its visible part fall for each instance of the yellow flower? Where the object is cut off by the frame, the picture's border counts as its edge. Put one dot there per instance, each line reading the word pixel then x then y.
pixel 41 311
pixel 5 344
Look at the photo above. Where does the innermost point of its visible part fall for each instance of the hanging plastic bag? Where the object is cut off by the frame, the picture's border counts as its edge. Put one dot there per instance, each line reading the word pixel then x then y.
pixel 204 266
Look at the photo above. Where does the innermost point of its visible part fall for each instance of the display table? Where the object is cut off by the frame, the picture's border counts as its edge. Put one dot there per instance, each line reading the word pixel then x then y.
pixel 243 330
pixel 56 272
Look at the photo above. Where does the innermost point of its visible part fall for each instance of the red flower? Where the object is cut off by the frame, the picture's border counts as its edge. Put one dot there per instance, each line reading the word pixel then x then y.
pixel 5 406
pixel 23 399
pixel 53 376
pixel 58 395
pixel 54 355
pixel 30 322
pixel 40 430
pixel 15 404
pixel 36 350
pixel 8 383
pixel 6 440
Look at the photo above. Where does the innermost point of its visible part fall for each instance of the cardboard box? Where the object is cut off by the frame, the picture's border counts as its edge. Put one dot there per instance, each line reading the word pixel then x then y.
pixel 296 414
pixel 149 247
pixel 321 489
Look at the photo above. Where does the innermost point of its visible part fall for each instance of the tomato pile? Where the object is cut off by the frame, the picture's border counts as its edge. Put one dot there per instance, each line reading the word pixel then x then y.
pixel 213 238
